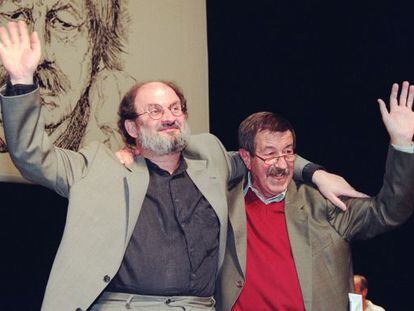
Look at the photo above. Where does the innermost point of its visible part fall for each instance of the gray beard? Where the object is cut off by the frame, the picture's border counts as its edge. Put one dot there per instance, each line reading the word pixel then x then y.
pixel 163 145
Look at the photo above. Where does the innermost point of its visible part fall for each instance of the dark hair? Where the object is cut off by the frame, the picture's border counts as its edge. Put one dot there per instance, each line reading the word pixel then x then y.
pixel 261 121
pixel 127 107
pixel 107 28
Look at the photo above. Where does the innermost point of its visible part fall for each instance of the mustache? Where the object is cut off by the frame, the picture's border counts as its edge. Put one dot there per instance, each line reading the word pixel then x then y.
pixel 274 171
pixel 51 78
pixel 169 125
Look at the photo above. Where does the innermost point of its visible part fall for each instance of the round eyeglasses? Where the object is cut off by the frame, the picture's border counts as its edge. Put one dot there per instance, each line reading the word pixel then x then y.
pixel 156 111
pixel 289 157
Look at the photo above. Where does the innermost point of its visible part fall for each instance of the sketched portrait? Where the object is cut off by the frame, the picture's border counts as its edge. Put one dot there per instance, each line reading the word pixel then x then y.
pixel 81 71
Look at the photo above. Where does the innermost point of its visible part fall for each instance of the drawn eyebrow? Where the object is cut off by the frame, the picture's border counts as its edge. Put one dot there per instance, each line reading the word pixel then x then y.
pixel 69 7
pixel 19 4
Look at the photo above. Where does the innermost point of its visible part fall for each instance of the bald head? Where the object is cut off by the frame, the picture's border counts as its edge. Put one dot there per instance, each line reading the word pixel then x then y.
pixel 360 285
pixel 141 92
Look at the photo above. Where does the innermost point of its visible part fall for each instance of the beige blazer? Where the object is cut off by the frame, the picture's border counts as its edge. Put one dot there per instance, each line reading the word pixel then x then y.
pixel 105 199
pixel 319 235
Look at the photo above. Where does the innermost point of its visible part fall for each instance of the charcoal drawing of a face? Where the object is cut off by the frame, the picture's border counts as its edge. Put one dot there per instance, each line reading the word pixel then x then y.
pixel 81 43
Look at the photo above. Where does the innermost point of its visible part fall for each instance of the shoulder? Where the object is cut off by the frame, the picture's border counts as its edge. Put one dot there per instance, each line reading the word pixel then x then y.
pixel 204 143
pixel 309 197
pixel 97 153
pixel 373 307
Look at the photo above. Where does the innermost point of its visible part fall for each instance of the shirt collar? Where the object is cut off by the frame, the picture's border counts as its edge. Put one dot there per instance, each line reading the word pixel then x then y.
pixel 276 198
pixel 182 166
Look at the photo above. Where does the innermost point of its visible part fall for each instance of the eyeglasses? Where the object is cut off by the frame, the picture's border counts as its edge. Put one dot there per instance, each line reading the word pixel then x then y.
pixel 289 157
pixel 156 111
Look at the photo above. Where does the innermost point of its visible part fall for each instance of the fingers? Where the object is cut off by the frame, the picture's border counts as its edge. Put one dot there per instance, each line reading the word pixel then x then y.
pixel 35 43
pixel 406 98
pixel 404 92
pixel 383 108
pixel 354 194
pixel 393 97
pixel 23 33
pixel 410 98
pixel 14 33
pixel 337 202
pixel 4 37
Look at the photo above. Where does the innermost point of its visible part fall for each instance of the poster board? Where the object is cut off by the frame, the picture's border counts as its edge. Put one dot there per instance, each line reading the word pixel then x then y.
pixel 93 51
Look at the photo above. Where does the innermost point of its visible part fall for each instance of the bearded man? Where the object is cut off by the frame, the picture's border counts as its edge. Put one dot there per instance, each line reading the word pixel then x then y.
pixel 149 234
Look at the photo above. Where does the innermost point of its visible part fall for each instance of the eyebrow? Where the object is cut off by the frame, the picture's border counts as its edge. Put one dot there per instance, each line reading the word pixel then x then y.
pixel 176 102
pixel 272 148
pixel 75 9
pixel 19 3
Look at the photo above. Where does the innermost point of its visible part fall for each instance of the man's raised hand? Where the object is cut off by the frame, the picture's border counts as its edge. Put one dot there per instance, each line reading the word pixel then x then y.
pixel 399 121
pixel 19 52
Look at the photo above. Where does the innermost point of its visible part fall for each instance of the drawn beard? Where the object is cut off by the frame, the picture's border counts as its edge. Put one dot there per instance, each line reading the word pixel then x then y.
pixel 54 85
pixel 161 145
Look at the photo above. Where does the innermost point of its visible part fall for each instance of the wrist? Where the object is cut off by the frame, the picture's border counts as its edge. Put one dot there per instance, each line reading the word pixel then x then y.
pixel 401 142
pixel 22 80
pixel 308 172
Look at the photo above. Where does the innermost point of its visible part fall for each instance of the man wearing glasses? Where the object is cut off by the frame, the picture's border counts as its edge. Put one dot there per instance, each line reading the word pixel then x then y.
pixel 289 249
pixel 150 234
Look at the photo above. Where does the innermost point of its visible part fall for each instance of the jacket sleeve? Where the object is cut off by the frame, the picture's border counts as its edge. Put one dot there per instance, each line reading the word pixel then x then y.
pixel 393 205
pixel 32 152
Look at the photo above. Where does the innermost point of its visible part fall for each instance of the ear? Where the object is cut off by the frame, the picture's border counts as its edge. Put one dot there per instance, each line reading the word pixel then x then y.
pixel 131 128
pixel 247 159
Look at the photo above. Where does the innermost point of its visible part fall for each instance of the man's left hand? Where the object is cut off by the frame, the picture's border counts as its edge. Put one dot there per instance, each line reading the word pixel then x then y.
pixel 332 186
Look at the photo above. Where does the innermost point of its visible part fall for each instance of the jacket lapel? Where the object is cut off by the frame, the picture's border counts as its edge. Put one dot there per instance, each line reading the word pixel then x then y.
pixel 298 230
pixel 207 181
pixel 237 216
pixel 135 184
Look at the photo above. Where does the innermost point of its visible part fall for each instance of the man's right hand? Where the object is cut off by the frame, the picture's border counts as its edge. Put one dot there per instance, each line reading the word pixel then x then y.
pixel 399 120
pixel 19 52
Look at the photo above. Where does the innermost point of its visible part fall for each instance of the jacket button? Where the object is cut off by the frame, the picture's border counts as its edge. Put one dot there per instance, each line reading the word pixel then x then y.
pixel 239 283
pixel 78 309
pixel 106 278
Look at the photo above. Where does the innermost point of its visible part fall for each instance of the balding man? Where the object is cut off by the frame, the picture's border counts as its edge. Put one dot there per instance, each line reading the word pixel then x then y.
pixel 150 234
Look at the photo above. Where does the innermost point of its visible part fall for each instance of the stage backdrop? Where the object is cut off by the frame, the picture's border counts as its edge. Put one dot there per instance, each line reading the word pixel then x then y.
pixel 93 53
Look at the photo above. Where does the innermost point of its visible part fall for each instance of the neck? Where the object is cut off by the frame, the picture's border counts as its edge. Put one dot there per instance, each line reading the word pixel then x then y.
pixel 364 303
pixel 168 162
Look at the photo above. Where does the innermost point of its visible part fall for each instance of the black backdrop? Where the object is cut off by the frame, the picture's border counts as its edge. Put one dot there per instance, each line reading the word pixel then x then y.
pixel 320 64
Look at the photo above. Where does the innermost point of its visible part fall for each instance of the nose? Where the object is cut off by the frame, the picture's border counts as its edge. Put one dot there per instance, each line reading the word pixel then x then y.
pixel 280 162
pixel 40 25
pixel 167 115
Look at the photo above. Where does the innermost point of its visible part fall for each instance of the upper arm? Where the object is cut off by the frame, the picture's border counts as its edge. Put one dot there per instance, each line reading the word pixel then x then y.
pixel 32 151
pixel 367 217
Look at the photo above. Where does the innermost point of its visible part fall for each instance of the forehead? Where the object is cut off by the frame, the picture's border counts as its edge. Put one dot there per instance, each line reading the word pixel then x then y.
pixel 273 140
pixel 155 93
pixel 75 5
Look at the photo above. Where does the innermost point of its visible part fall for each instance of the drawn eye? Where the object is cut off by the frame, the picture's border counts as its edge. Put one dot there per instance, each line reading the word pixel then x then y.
pixel 16 15
pixel 61 25
pixel 63 20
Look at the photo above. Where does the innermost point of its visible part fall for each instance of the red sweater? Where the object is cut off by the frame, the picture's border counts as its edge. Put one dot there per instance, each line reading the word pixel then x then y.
pixel 271 279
